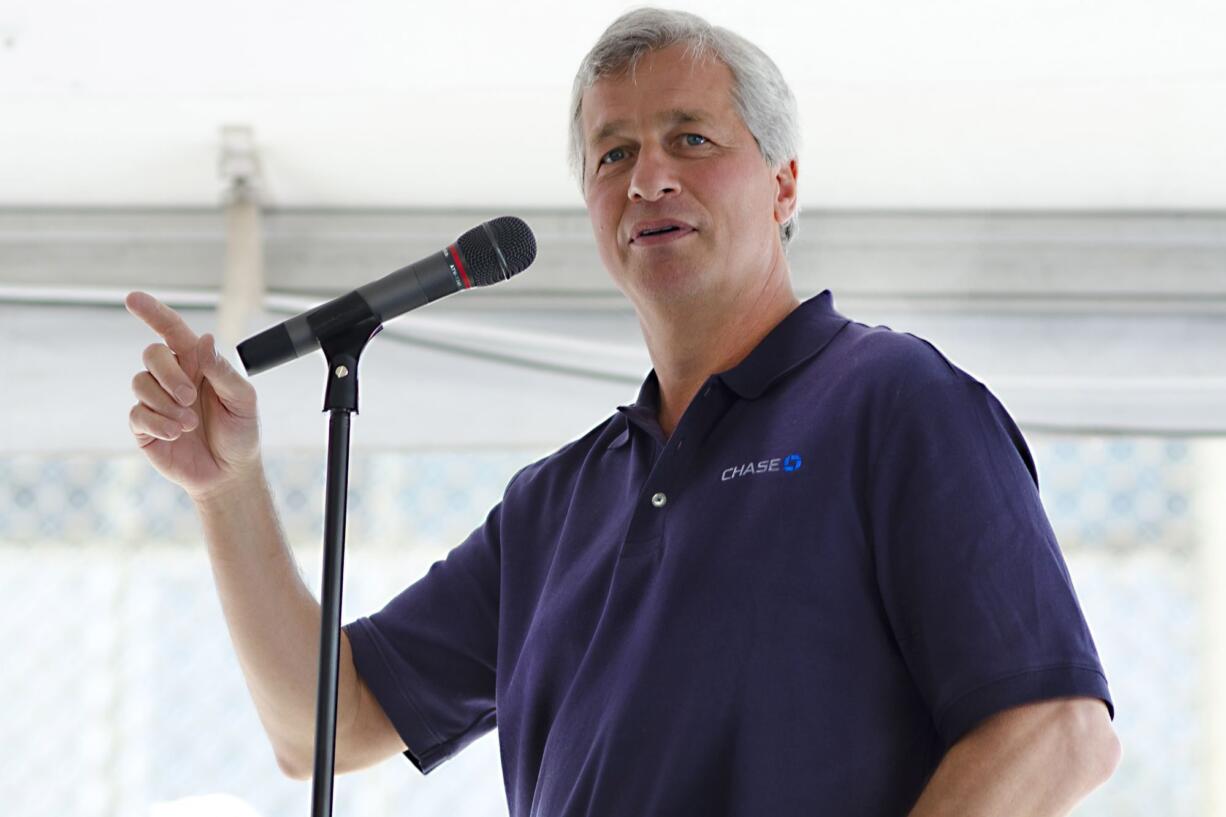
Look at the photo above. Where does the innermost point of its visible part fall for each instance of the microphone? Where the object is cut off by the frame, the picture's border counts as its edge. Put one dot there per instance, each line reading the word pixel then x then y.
pixel 492 251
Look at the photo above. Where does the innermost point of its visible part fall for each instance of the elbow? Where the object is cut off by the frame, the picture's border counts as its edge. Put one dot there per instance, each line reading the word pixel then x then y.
pixel 1099 748
pixel 293 767
pixel 1109 753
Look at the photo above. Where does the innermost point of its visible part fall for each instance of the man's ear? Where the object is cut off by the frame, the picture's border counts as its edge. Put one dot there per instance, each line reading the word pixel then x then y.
pixel 785 191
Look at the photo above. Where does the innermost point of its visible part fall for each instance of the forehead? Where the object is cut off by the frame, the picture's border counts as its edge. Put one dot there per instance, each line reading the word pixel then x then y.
pixel 666 86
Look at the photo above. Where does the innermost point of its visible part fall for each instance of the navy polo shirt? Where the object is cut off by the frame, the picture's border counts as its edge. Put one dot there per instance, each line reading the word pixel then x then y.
pixel 835 567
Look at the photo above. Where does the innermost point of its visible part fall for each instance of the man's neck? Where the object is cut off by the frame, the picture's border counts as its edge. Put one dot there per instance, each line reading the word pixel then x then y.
pixel 688 345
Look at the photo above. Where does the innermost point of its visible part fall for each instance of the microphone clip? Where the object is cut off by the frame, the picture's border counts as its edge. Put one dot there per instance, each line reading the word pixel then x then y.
pixel 342 352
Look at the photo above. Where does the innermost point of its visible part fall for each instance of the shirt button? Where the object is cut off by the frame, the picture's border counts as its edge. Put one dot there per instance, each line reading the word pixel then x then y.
pixel 658 500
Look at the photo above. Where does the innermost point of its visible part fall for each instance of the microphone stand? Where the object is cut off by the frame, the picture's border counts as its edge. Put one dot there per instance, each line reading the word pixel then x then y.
pixel 342 351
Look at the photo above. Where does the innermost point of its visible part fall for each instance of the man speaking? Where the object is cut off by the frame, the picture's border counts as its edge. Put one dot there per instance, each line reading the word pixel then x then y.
pixel 806 572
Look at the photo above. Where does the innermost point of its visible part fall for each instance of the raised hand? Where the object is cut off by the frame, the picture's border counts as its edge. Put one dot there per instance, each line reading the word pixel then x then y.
pixel 196 416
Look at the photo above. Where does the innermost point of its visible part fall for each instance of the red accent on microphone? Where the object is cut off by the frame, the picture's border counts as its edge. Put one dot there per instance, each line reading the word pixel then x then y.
pixel 455 255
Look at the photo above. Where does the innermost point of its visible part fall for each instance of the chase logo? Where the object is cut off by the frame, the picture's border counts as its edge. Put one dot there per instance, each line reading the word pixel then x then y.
pixel 788 464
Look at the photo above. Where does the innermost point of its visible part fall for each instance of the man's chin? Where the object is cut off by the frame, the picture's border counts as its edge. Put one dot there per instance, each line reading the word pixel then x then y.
pixel 669 283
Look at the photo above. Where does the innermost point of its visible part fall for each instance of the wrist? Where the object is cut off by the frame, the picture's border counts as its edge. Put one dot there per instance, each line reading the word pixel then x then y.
pixel 242 486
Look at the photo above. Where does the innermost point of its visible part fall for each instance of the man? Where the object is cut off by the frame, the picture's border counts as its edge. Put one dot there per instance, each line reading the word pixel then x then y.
pixel 806 572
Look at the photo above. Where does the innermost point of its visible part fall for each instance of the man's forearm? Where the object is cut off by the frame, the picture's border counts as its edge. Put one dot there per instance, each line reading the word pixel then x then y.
pixel 272 616
pixel 1037 760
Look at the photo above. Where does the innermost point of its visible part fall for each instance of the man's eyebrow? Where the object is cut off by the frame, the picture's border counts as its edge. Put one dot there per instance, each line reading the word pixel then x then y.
pixel 674 116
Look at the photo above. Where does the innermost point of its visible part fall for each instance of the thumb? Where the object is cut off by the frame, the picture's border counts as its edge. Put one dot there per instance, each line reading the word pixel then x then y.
pixel 234 391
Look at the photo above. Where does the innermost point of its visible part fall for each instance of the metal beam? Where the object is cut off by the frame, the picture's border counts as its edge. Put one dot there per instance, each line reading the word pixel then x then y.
pixel 963 261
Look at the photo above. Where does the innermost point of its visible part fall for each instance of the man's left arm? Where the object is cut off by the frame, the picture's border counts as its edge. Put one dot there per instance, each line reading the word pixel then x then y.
pixel 1035 760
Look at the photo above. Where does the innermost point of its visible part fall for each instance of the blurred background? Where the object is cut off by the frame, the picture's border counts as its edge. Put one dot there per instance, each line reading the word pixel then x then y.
pixel 1038 188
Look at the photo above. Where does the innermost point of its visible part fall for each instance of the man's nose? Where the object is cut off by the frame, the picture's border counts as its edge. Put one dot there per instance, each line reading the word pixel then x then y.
pixel 655 176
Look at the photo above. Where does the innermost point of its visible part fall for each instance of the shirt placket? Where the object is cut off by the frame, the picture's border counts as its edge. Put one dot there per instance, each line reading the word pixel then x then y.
pixel 671 473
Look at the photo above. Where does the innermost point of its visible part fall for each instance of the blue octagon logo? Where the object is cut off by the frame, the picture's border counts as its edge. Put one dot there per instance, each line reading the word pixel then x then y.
pixel 791 462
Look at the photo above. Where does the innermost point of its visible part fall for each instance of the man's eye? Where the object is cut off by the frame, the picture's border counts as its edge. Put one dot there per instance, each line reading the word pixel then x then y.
pixel 609 157
pixel 692 136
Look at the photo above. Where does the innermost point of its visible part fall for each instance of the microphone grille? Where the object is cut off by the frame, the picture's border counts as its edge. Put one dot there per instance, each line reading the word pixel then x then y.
pixel 497 249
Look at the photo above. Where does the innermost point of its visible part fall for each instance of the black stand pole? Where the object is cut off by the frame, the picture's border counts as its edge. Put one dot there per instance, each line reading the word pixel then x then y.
pixel 340 398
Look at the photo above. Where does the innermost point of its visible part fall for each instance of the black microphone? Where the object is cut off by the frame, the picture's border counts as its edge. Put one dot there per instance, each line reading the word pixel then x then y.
pixel 492 251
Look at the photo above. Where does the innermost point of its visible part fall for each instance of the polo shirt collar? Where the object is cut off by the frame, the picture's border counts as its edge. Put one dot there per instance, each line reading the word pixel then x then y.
pixel 801 335
pixel 645 411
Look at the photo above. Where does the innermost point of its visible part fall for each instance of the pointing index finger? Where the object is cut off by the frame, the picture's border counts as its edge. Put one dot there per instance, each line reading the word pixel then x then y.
pixel 163 320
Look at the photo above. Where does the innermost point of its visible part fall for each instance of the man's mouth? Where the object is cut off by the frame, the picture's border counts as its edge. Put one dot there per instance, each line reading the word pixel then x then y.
pixel 660 232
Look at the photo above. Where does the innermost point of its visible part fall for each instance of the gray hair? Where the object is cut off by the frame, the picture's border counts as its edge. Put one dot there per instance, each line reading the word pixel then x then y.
pixel 759 93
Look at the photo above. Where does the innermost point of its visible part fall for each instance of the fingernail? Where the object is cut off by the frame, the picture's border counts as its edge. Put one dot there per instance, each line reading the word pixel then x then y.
pixel 186 395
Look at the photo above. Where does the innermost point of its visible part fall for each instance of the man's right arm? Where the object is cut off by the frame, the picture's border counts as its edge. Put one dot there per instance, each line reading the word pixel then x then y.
pixel 197 423
pixel 274 623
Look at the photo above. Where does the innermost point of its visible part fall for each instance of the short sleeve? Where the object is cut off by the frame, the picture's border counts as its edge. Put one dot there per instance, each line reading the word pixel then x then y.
pixel 971 577
pixel 429 656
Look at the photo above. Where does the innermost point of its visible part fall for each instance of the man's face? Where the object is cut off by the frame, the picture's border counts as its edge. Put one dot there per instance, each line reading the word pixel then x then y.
pixel 668 146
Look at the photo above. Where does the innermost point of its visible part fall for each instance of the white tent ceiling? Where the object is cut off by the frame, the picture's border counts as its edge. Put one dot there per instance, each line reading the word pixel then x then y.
pixel 942 104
